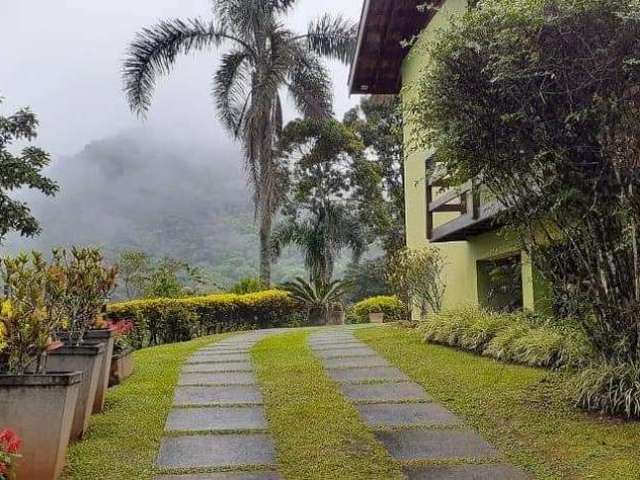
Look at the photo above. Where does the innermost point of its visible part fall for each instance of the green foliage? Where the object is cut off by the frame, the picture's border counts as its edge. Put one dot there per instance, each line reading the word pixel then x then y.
pixel 416 277
pixel 366 278
pixel 248 285
pixel 21 171
pixel 168 319
pixel 86 284
pixel 610 388
pixel 317 215
pixel 264 57
pixel 317 299
pixel 538 100
pixel 379 176
pixel 510 337
pixel 392 307
pixel 30 312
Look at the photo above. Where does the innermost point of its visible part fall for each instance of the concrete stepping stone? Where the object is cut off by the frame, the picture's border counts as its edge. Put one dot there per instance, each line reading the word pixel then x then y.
pixel 232 394
pixel 215 418
pixel 356 362
pixel 216 451
pixel 215 358
pixel 384 392
pixel 466 472
pixel 347 375
pixel 406 414
pixel 220 378
pixel 435 445
pixel 217 367
pixel 224 476
pixel 346 352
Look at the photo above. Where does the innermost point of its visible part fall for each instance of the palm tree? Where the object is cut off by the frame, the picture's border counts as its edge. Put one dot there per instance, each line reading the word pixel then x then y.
pixel 263 58
pixel 321 235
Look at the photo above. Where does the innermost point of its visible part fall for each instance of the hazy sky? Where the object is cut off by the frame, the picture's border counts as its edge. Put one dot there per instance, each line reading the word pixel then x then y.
pixel 63 57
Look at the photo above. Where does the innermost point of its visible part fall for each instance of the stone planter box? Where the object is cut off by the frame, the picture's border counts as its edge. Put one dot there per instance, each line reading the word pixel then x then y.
pixel 102 336
pixel 87 359
pixel 121 367
pixel 40 408
pixel 376 317
pixel 336 317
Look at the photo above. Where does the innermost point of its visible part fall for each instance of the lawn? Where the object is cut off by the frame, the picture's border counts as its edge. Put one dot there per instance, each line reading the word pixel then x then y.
pixel 318 434
pixel 123 441
pixel 523 411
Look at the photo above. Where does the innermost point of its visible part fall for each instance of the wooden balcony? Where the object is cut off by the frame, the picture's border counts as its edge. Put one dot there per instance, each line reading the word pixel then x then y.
pixel 472 214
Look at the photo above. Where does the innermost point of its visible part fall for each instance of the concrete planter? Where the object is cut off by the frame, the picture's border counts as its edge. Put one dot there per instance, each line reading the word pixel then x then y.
pixel 336 317
pixel 87 359
pixel 376 317
pixel 121 367
pixel 40 408
pixel 102 336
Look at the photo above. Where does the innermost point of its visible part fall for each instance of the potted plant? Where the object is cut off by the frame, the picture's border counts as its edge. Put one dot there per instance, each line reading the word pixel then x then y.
pixel 37 404
pixel 122 360
pixel 86 284
pixel 10 445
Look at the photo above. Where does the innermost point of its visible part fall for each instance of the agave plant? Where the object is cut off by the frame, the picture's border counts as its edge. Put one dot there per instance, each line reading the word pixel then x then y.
pixel 317 298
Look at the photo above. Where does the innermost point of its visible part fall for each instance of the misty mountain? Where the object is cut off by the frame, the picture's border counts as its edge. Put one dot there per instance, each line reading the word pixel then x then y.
pixel 156 193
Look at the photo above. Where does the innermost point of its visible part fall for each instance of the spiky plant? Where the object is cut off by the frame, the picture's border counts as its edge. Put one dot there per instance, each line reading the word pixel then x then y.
pixel 263 59
pixel 317 298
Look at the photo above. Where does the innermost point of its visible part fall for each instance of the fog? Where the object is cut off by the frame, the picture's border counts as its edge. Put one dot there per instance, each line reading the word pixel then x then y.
pixel 173 183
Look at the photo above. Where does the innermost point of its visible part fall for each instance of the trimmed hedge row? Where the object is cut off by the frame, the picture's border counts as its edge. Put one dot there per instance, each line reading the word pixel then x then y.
pixel 166 320
pixel 523 338
pixel 392 307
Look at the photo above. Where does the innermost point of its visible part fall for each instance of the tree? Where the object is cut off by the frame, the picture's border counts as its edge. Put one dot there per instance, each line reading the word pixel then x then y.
pixel 21 171
pixel 539 99
pixel 264 57
pixel 378 121
pixel 318 219
pixel 366 279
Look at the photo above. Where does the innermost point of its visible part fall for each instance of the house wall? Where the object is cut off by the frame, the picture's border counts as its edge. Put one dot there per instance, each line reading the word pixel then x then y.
pixel 460 258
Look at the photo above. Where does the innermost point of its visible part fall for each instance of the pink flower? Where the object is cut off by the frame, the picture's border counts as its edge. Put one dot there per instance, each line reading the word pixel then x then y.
pixel 10 442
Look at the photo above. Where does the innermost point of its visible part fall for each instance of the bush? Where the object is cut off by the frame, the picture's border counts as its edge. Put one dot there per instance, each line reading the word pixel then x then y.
pixel 392 308
pixel 610 388
pixel 524 338
pixel 248 285
pixel 162 320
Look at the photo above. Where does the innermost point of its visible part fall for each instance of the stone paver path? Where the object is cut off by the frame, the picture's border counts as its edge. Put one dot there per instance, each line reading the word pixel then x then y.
pixel 404 417
pixel 218 423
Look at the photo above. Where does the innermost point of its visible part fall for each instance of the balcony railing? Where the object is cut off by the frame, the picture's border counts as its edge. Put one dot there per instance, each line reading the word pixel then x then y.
pixel 473 212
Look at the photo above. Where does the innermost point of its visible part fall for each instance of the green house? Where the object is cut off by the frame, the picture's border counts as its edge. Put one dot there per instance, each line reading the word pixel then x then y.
pixel 482 265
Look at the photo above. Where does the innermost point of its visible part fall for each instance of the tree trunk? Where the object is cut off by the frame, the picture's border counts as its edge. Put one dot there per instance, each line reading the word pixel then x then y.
pixel 265 251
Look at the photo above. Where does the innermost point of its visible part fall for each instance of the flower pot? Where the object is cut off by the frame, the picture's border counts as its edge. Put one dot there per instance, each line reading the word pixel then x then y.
pixel 87 359
pixel 376 317
pixel 336 317
pixel 121 366
pixel 40 408
pixel 105 336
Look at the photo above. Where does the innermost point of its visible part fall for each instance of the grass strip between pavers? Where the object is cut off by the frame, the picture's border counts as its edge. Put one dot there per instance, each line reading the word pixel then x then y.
pixel 523 411
pixel 123 441
pixel 317 433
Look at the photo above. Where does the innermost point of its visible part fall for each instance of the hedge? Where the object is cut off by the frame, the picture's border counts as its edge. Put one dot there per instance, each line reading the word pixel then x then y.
pixel 166 320
pixel 392 307
pixel 524 338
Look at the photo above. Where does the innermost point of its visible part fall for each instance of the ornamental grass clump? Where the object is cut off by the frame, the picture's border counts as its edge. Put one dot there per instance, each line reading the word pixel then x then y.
pixel 30 313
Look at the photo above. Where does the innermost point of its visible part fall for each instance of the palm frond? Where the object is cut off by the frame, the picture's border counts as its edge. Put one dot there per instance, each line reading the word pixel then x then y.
pixel 154 50
pixel 310 86
pixel 231 90
pixel 333 37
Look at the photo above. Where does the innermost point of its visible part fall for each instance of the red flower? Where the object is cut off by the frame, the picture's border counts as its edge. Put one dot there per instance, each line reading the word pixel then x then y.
pixel 10 442
pixel 121 327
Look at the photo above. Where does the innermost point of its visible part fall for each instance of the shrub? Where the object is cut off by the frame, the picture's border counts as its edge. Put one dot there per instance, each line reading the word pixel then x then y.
pixel 524 338
pixel 610 388
pixel 248 285
pixel 392 307
pixel 167 319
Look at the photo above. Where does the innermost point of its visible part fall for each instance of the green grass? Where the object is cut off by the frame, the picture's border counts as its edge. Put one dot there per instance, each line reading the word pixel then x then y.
pixel 123 441
pixel 318 434
pixel 523 411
